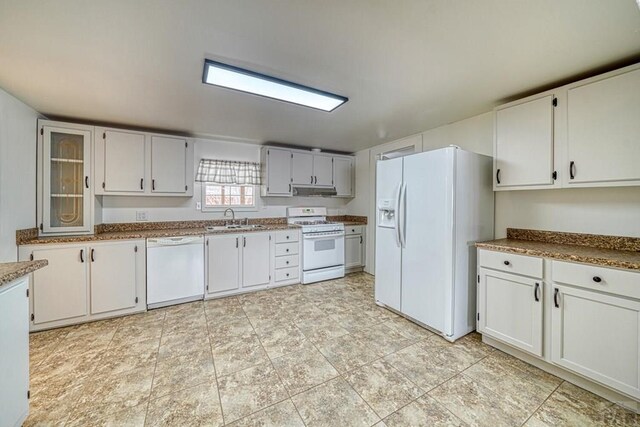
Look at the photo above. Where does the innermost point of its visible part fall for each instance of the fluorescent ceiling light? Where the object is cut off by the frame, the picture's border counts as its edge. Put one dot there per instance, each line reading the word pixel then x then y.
pixel 223 75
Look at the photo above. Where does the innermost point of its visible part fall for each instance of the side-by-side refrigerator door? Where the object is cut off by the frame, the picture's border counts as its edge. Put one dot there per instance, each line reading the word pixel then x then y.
pixel 388 279
pixel 426 229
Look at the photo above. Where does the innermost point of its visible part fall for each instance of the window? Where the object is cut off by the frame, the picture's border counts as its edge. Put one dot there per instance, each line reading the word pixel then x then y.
pixel 216 196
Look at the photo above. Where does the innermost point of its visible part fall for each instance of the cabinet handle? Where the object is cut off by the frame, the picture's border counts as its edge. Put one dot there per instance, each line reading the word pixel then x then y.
pixel 142 183
pixel 81 255
pixel 360 239
pixel 498 175
pixel 289 188
pixel 507 263
pixel 86 181
pixel 92 255
pixel 597 279
pixel 244 242
pixel 311 179
pixel 316 180
pixel 236 242
pixel 153 184
pixel 572 169
pixel 536 292
pixel 556 293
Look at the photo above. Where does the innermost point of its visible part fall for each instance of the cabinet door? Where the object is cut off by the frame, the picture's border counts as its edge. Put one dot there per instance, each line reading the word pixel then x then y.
pixel 168 165
pixel 510 309
pixel 124 164
pixel 524 144
pixel 66 169
pixel 256 259
pixel 302 168
pixel 322 171
pixel 60 289
pixel 342 176
pixel 597 336
pixel 14 357
pixel 353 251
pixel 603 131
pixel 113 276
pixel 223 263
pixel 278 172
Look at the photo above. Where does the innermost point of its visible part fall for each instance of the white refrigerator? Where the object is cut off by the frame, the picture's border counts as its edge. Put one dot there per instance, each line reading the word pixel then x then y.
pixel 431 208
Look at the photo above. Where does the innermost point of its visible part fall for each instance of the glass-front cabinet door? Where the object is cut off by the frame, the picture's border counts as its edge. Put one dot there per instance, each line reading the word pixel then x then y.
pixel 65 177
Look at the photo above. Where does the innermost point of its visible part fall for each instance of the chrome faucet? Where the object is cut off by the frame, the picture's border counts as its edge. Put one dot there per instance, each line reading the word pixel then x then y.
pixel 233 215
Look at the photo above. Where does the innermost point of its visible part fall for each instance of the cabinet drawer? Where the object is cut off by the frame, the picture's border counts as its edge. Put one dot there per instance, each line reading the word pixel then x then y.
pixel 619 282
pixel 286 248
pixel 353 229
pixel 287 274
pixel 512 263
pixel 287 261
pixel 287 236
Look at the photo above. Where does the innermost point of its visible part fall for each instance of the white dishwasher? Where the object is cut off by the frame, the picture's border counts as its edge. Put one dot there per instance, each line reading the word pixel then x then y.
pixel 175 270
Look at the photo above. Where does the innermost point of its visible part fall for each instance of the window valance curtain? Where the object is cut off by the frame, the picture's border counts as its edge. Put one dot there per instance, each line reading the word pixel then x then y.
pixel 228 172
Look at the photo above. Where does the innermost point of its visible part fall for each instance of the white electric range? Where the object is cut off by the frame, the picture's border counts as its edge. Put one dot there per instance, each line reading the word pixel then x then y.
pixel 322 244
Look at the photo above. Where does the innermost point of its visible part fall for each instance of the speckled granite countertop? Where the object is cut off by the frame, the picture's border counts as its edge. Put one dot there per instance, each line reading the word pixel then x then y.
pixel 11 271
pixel 146 230
pixel 606 251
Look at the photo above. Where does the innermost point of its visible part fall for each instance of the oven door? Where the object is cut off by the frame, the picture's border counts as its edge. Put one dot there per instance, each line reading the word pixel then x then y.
pixel 321 250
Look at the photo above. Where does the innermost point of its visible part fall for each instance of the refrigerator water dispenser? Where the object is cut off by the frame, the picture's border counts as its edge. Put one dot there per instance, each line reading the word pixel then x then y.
pixel 387 213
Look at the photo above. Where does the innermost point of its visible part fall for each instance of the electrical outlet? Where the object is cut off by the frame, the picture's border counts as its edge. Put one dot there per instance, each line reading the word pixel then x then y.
pixel 198 205
pixel 142 216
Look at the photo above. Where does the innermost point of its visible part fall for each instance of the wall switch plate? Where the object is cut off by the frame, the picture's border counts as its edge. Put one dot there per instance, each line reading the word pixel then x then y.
pixel 198 205
pixel 142 216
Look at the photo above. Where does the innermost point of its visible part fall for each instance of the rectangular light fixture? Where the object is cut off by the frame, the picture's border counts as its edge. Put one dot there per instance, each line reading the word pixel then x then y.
pixel 228 76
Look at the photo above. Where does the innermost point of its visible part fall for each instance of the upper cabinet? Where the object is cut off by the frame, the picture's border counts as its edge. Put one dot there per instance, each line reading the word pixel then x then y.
pixel 603 134
pixel 130 163
pixel 524 143
pixel 585 134
pixel 64 178
pixel 284 169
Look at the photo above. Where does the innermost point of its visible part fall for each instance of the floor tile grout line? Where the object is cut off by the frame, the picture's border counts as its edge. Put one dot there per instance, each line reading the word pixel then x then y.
pixel 543 402
pixel 155 368
pixel 215 370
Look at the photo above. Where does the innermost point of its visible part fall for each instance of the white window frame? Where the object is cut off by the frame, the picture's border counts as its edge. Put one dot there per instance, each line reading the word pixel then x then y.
pixel 237 208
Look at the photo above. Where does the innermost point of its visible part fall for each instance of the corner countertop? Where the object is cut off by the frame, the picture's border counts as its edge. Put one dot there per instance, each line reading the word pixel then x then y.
pixel 588 250
pixel 11 271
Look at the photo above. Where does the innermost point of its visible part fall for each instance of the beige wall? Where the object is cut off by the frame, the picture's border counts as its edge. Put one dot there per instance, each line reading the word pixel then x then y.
pixel 18 126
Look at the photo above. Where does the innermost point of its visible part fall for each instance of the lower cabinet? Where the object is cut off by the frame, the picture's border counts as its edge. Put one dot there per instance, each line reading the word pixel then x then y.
pixel 86 282
pixel 354 248
pixel 597 336
pixel 510 309
pixel 14 356
pixel 236 261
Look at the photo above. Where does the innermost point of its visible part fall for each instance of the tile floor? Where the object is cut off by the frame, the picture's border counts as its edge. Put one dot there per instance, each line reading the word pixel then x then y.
pixel 314 355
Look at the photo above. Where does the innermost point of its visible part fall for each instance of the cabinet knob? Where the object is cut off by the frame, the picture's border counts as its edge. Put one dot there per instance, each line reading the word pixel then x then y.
pixel 507 263
pixel 287 250
pixel 597 279
pixel 287 262
pixel 287 274
pixel 287 237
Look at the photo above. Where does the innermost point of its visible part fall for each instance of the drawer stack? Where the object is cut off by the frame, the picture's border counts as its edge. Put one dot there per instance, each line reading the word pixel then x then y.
pixel 287 259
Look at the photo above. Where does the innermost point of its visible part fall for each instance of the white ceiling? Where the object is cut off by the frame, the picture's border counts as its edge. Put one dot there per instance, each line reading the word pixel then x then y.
pixel 406 65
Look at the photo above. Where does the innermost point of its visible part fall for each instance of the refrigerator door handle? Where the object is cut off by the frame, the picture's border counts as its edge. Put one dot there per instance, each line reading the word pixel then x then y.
pixel 401 215
pixel 396 215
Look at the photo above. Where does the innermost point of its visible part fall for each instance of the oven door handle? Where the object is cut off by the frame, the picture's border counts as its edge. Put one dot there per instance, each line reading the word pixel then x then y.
pixel 323 236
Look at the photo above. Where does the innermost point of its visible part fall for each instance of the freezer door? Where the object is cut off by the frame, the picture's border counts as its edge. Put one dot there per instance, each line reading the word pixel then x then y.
pixel 427 215
pixel 388 253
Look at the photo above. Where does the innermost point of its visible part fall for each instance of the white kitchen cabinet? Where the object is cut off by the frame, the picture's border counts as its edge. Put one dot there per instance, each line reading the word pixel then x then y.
pixel 256 259
pixel 223 263
pixel 603 137
pixel 114 276
pixel 510 309
pixel 353 251
pixel 65 202
pixel 14 357
pixel 322 170
pixel 87 281
pixel 169 165
pixel 343 176
pixel 121 156
pixel 301 168
pixel 524 143
pixel 277 164
pixel 598 336
pixel 286 257
pixel 60 291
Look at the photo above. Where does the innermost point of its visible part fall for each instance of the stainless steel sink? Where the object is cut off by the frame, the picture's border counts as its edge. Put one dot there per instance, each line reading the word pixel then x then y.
pixel 239 227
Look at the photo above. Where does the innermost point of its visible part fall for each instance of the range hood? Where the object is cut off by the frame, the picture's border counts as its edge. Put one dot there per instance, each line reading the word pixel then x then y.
pixel 314 191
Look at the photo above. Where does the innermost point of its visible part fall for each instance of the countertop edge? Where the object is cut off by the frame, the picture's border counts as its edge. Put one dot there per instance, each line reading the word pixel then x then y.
pixel 16 270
